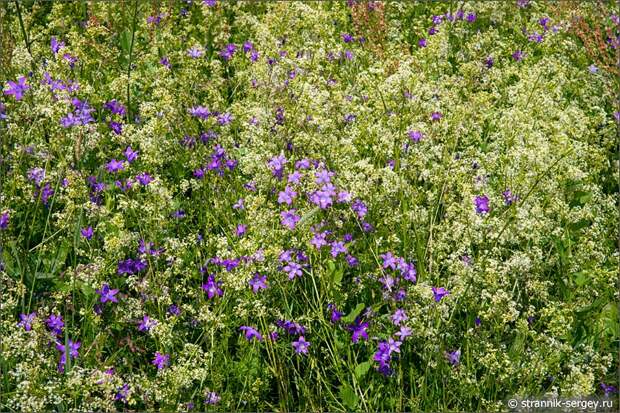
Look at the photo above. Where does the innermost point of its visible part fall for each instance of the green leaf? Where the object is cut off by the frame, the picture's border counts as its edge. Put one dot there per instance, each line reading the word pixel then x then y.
pixel 306 217
pixel 609 317
pixel 576 226
pixel 356 311
pixel 362 368
pixel 125 41
pixel 337 276
pixel 348 396
pixel 87 290
pixel 331 266
pixel 581 278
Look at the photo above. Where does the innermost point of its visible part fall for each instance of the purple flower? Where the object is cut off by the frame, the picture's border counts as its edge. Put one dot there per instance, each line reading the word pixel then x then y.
pixel 323 176
pixel 55 45
pixel 536 37
pixel 477 322
pixel 352 261
pixel 212 397
pixel 399 317
pixel 293 270
pixel 489 62
pixel 294 178
pixel 358 330
pixel 301 345
pixel 147 323
pixel 302 164
pixel 383 356
pixel 195 52
pixel 389 260
pixel 394 345
pixel 115 166
pixel 439 293
pixel 212 287
pixel 116 127
pixel 471 17
pixel 225 118
pixel 164 61
pixel 254 56
pixel 409 272
pixel 17 89
pixel 46 193
pixel 509 197
pixel 338 248
pixel 518 55
pixel 347 38
pixel 259 282
pixel 335 315
pixel 415 135
pixel 608 389
pixel 161 360
pixel 71 59
pixel 71 348
pixel 435 116
pixel 37 175
pixel 344 197
pixel 248 46
pixel 240 230
pixel 404 332
pixel 349 118
pixel 144 178
pixel 239 204
pixel 482 204
pixel 87 232
pixel 276 164
pixel 291 327
pixel 80 116
pixel 289 218
pixel 130 154
pixel 251 333
pixel 228 52
pixel 422 42
pixel 359 208
pixel 27 320
pixel 107 294
pixel 174 309
pixel 453 357
pixel 322 198
pixel 287 196
pixel 115 107
pixel 4 220
pixel 122 393
pixel 319 240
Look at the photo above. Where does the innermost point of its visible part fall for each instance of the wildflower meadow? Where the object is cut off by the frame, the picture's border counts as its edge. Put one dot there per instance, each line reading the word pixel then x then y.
pixel 307 205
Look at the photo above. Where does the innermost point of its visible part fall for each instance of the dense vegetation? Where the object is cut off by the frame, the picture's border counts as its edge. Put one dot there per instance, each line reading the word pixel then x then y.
pixel 325 206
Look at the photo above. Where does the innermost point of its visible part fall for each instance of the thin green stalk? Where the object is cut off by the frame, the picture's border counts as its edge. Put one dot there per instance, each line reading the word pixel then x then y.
pixel 129 64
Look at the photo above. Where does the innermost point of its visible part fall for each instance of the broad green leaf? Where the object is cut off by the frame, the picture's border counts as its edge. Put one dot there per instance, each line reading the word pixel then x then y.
pixel 348 396
pixel 356 311
pixel 362 368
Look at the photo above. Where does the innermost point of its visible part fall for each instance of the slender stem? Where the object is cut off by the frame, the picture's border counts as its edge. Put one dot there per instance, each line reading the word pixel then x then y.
pixel 23 29
pixel 133 35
